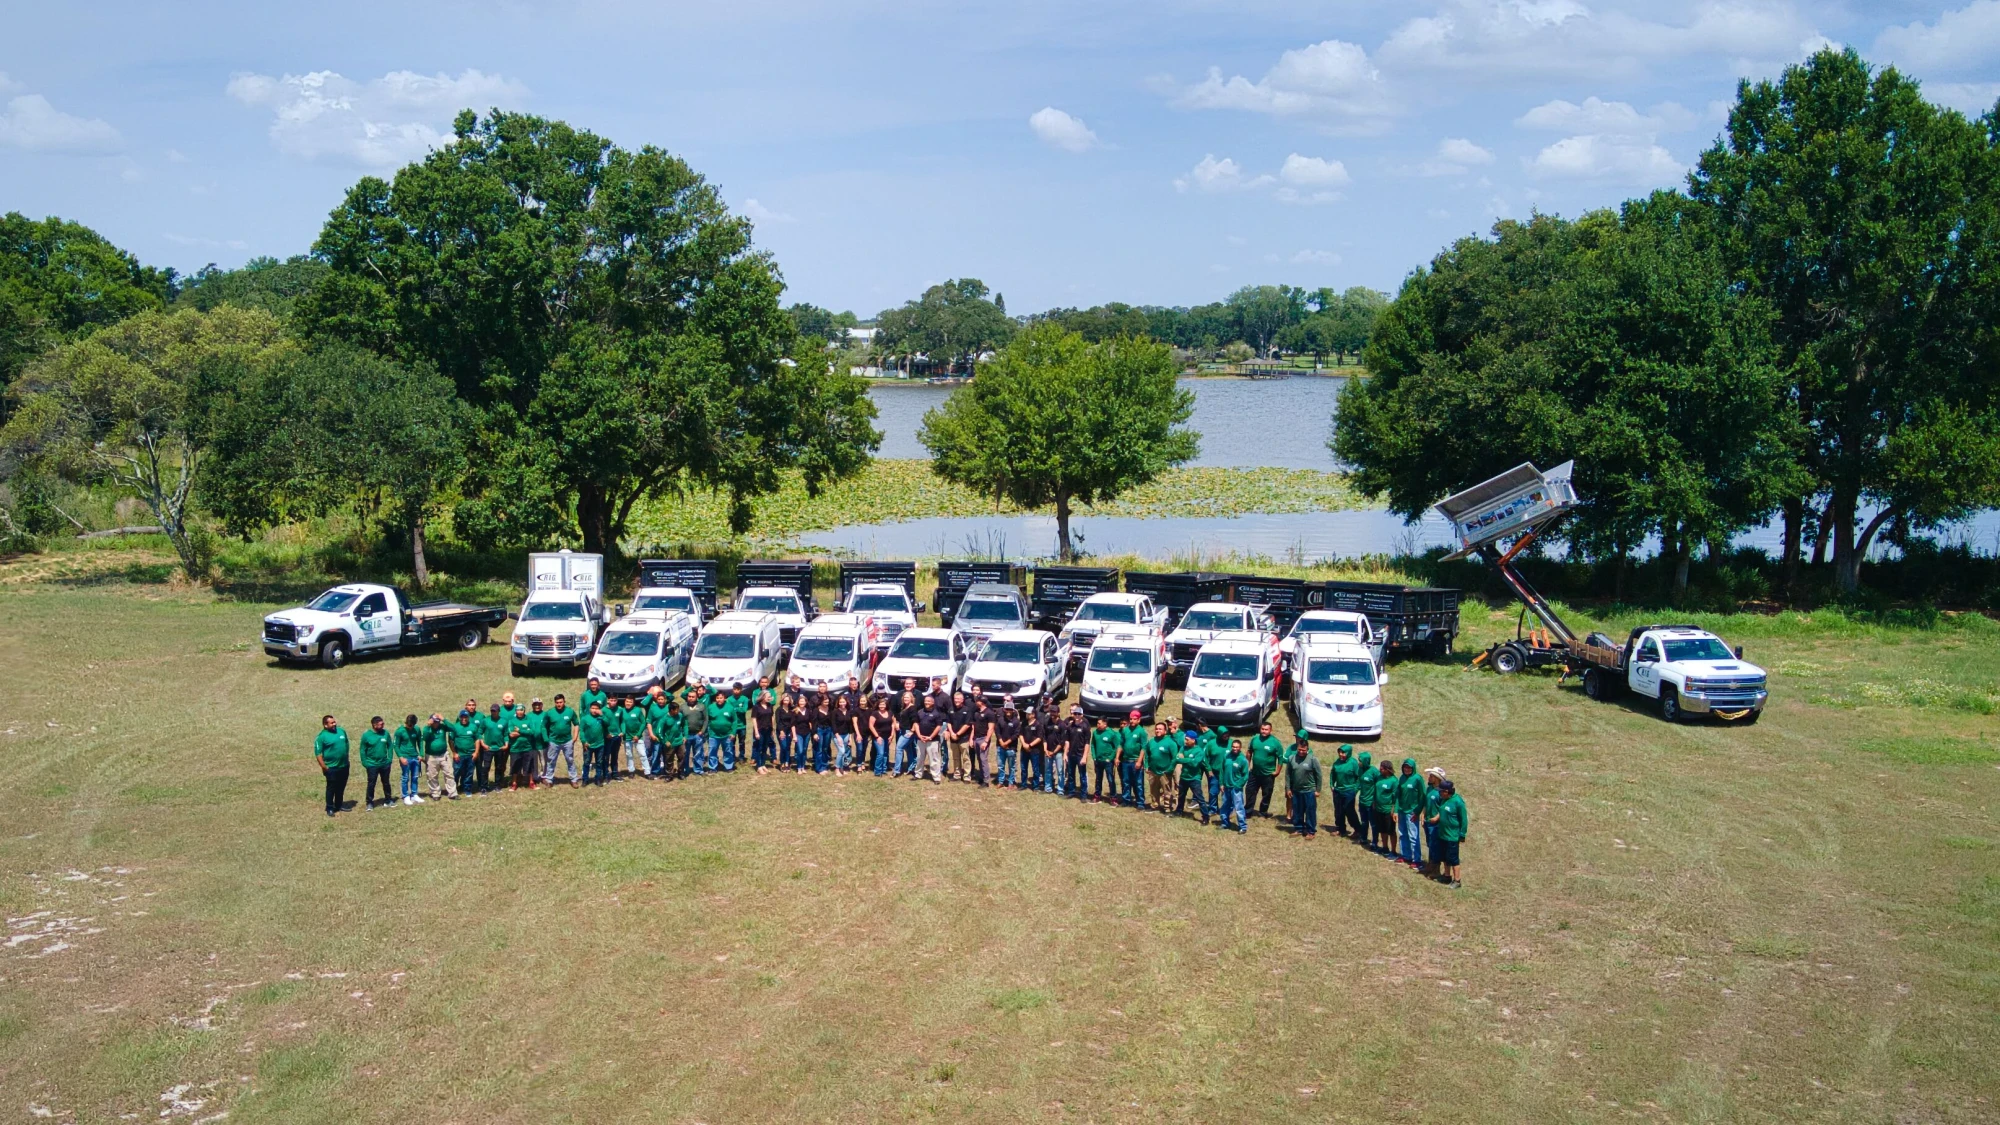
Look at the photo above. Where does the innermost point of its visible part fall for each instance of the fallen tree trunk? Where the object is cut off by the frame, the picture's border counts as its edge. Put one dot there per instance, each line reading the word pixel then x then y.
pixel 153 529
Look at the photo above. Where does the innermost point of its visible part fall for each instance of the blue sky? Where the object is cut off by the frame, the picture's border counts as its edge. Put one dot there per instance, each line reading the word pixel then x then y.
pixel 1164 151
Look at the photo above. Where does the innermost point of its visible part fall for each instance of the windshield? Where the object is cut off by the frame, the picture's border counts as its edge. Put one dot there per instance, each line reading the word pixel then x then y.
pixel 1225 666
pixel 989 609
pixel 1102 611
pixel 333 601
pixel 1214 619
pixel 1012 652
pixel 1698 648
pixel 1340 672
pixel 893 603
pixel 824 648
pixel 631 644
pixel 680 602
pixel 1325 625
pixel 771 603
pixel 1121 659
pixel 552 611
pixel 724 646
pixel 921 648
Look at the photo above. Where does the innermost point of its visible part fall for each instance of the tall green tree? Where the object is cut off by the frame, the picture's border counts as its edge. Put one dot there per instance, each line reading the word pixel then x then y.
pixel 59 280
pixel 811 320
pixel 602 312
pixel 131 403
pixel 1056 420
pixel 261 283
pixel 1866 217
pixel 1263 312
pixel 952 323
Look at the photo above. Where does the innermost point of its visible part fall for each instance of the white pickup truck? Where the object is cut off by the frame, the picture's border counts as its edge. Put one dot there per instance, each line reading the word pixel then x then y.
pixel 558 625
pixel 1690 671
pixel 361 617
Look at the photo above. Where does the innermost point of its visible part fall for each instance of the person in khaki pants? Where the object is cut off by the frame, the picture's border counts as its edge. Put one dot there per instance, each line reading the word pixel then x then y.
pixel 438 770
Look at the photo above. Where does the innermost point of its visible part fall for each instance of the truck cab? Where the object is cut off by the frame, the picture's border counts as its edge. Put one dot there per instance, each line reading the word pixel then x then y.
pixel 1336 687
pixel 889 604
pixel 1204 622
pixel 833 648
pixel 1100 613
pixel 1125 672
pixel 738 647
pixel 353 617
pixel 667 599
pixel 989 608
pixel 1023 664
pixel 934 658
pixel 643 650
pixel 1233 681
pixel 781 603
pixel 1688 670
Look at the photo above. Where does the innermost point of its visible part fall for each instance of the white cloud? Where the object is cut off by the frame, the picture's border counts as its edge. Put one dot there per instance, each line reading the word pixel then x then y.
pixel 206 243
pixel 1624 160
pixel 1596 115
pixel 7 84
pixel 758 213
pixel 1212 175
pixel 1969 98
pixel 1511 39
pixel 1333 81
pixel 1060 130
pixel 380 124
pixel 1964 39
pixel 1455 157
pixel 30 122
pixel 1312 171
pixel 1316 258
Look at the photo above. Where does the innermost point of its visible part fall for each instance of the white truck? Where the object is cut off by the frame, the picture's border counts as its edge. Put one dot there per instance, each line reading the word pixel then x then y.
pixel 886 590
pixel 1233 682
pixel 643 650
pixel 1337 687
pixel 1126 672
pixel 1110 610
pixel 1688 670
pixel 1203 623
pixel 934 658
pixel 558 625
pixel 835 647
pixel 1335 623
pixel 362 617
pixel 738 647
pixel 1025 664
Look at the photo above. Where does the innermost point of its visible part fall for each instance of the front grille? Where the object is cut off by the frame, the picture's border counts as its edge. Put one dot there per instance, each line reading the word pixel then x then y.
pixel 890 631
pixel 281 632
pixel 996 687
pixel 1185 654
pixel 788 635
pixel 1743 685
pixel 552 646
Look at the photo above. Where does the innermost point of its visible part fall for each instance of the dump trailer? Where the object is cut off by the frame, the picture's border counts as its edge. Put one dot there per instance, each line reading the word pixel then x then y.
pixel 786 575
pixel 1282 598
pixel 1060 589
pixel 1410 619
pixel 954 577
pixel 854 574
pixel 696 576
pixel 1179 591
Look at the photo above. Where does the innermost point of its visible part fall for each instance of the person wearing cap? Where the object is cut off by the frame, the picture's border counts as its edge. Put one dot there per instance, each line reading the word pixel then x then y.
pixel 330 753
pixel 1267 754
pixel 1233 775
pixel 1191 763
pixel 1346 779
pixel 375 755
pixel 1163 752
pixel 1410 814
pixel 492 753
pixel 1364 799
pixel 464 746
pixel 438 775
pixel 1452 820
pixel 1432 776
pixel 1008 752
pixel 1386 784
pixel 1104 744
pixel 1133 741
pixel 559 741
pixel 1302 782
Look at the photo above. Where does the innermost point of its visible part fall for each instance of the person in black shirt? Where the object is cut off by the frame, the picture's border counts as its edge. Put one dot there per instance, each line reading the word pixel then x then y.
pixel 1006 741
pixel 763 710
pixel 881 729
pixel 1076 733
pixel 930 726
pixel 905 761
pixel 958 735
pixel 824 723
pixel 983 721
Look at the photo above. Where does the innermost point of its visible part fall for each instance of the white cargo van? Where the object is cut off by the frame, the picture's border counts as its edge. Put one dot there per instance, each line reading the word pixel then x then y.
pixel 1233 681
pixel 643 650
pixel 1336 688
pixel 833 648
pixel 738 647
pixel 1125 672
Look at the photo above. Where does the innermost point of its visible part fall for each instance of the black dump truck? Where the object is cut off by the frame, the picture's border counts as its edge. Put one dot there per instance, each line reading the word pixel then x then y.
pixel 1283 598
pixel 1419 619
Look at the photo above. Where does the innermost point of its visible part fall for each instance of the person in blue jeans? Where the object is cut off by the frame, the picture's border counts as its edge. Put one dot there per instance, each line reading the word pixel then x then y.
pixel 1231 776
pixel 1302 777
pixel 906 734
pixel 695 760
pixel 881 731
pixel 822 731
pixel 1007 749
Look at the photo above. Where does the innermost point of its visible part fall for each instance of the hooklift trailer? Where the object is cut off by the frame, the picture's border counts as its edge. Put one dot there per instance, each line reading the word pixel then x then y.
pixel 1521 502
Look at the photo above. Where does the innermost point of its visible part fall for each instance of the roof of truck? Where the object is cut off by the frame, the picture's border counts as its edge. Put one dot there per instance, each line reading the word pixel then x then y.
pixel 740 621
pixel 648 619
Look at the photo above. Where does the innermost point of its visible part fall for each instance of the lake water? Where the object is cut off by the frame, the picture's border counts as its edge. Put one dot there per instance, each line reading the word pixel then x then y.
pixel 1243 423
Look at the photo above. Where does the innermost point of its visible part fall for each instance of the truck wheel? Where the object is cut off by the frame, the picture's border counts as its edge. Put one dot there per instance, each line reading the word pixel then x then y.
pixel 515 669
pixel 1507 660
pixel 1594 685
pixel 333 653
pixel 1670 705
pixel 470 637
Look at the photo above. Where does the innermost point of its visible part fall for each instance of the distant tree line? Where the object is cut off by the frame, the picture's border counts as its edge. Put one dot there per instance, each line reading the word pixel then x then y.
pixel 1810 330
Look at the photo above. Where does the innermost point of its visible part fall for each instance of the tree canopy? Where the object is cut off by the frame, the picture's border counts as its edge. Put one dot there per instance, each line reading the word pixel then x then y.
pixel 59 279
pixel 260 283
pixel 951 323
pixel 1057 420
pixel 604 315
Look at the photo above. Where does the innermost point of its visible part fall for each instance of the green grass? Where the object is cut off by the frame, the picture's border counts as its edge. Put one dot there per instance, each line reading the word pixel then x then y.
pixel 1798 920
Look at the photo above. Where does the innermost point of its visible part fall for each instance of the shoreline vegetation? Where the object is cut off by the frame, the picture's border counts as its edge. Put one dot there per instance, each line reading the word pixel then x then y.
pixel 1350 371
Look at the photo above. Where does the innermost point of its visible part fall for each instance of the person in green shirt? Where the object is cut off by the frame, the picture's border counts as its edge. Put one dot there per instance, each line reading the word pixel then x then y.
pixel 1452 821
pixel 1104 743
pixel 492 730
pixel 1213 749
pixel 559 741
pixel 1410 815
pixel 438 775
pixel 593 730
pixel 1432 776
pixel 1385 807
pixel 1346 777
pixel 1133 740
pixel 721 733
pixel 330 747
pixel 632 739
pixel 739 727
pixel 464 748
pixel 1364 799
pixel 663 754
pixel 524 745
pixel 1234 773
pixel 375 757
pixel 593 692
pixel 1192 759
pixel 408 743
pixel 1266 754
pixel 1302 782
pixel 1163 752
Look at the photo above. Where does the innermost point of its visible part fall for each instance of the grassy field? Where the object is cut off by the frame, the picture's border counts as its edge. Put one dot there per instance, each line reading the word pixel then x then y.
pixel 1794 921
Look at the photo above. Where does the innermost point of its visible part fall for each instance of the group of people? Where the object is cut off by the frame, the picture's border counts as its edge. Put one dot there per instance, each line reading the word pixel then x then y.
pixel 1171 767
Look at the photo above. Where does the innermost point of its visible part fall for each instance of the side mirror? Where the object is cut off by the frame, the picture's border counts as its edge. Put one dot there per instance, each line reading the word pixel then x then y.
pixel 513 616
pixel 921 607
pixel 1739 652
pixel 618 610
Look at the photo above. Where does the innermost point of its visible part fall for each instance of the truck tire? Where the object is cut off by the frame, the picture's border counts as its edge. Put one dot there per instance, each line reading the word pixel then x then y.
pixel 1751 719
pixel 333 652
pixel 1596 684
pixel 471 637
pixel 515 669
pixel 1670 705
pixel 1508 660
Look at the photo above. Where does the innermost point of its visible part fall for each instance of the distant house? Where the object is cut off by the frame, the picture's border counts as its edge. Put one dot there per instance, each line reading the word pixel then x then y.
pixel 862 336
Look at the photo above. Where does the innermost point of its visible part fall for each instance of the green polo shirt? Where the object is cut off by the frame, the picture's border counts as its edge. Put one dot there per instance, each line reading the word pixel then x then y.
pixel 1235 771
pixel 1104 745
pixel 1162 753
pixel 558 724
pixel 721 718
pixel 1192 759
pixel 464 737
pixel 1302 776
pixel 656 717
pixel 375 752
pixel 409 742
pixel 492 731
pixel 631 721
pixel 589 697
pixel 331 747
pixel 1346 774
pixel 1266 752
pixel 1453 820
pixel 592 728
pixel 530 731
pixel 1133 741
pixel 1410 794
pixel 669 727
